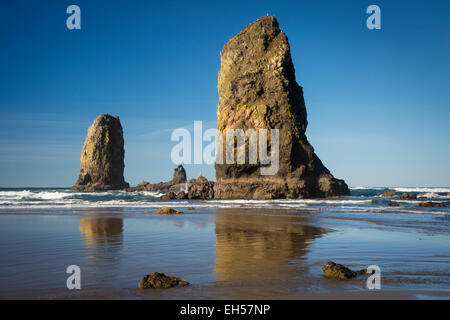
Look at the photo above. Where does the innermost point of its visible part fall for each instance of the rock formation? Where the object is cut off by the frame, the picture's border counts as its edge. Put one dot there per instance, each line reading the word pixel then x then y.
pixel 339 272
pixel 158 280
pixel 432 204
pixel 165 211
pixel 102 156
pixel 177 182
pixel 201 189
pixel 388 193
pixel 258 90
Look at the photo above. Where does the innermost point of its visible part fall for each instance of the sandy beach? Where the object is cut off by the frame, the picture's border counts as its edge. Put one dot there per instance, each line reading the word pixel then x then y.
pixel 225 253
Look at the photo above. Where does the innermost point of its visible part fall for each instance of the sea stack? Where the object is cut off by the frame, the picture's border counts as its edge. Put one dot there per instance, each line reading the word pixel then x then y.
pixel 258 90
pixel 102 156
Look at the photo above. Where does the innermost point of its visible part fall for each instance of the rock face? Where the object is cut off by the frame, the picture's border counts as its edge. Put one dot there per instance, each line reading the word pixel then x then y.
pixel 179 175
pixel 388 193
pixel 166 211
pixel 177 182
pixel 339 272
pixel 201 188
pixel 102 156
pixel 158 280
pixel 258 90
pixel 432 204
pixel 407 196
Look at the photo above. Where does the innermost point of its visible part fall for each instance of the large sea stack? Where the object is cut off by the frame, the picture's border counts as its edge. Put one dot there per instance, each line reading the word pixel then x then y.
pixel 257 89
pixel 102 156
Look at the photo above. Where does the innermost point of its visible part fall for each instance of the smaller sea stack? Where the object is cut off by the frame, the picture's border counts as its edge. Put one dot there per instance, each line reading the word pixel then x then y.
pixel 102 156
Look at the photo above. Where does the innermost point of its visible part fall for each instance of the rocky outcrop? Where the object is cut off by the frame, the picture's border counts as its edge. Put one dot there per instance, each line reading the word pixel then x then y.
pixel 394 204
pixel 258 90
pixel 201 189
pixel 432 204
pixel 388 193
pixel 178 182
pixel 158 280
pixel 408 196
pixel 339 272
pixel 165 211
pixel 102 156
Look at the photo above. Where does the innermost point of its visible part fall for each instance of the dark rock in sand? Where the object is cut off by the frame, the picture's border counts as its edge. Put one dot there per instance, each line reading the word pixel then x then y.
pixel 394 204
pixel 388 193
pixel 432 204
pixel 102 156
pixel 407 196
pixel 339 272
pixel 166 211
pixel 158 280
pixel 258 90
pixel 179 178
pixel 201 189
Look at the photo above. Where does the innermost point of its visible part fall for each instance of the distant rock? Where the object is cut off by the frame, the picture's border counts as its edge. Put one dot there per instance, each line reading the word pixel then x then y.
pixel 339 272
pixel 258 90
pixel 179 175
pixel 165 211
pixel 102 156
pixel 388 193
pixel 448 194
pixel 408 196
pixel 179 179
pixel 394 204
pixel 168 196
pixel 201 189
pixel 158 280
pixel 432 204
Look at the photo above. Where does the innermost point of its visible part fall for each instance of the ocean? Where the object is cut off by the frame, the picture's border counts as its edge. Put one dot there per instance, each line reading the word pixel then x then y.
pixel 362 199
pixel 236 249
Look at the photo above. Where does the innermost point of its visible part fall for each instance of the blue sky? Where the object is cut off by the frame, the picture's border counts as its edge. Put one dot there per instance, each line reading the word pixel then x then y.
pixel 378 101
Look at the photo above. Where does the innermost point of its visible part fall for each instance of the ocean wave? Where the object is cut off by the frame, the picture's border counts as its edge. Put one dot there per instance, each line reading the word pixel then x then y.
pixel 361 201
pixel 422 190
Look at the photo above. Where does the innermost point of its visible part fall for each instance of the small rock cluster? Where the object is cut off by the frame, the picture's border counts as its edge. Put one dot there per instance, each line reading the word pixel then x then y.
pixel 339 272
pixel 158 280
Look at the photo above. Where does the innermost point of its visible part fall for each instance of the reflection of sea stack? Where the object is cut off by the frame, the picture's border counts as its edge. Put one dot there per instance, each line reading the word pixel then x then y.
pixel 257 89
pixel 259 246
pixel 101 230
pixel 102 157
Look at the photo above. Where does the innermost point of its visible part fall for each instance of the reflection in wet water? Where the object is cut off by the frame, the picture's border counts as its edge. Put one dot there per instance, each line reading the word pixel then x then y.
pixel 258 245
pixel 97 231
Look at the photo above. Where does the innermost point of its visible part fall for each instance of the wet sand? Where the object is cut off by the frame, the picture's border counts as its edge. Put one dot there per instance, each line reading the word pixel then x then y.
pixel 223 253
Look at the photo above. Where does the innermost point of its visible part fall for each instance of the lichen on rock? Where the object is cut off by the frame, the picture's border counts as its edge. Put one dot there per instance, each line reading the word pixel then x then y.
pixel 159 280
pixel 258 90
pixel 102 156
pixel 339 272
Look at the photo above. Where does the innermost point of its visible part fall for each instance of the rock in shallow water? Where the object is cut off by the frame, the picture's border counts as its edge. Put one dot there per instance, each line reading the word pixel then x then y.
pixel 432 204
pixel 102 156
pixel 388 193
pixel 258 90
pixel 339 272
pixel 166 210
pixel 394 204
pixel 158 280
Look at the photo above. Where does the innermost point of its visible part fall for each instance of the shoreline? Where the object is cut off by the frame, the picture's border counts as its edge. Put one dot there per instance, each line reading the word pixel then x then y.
pixel 225 253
